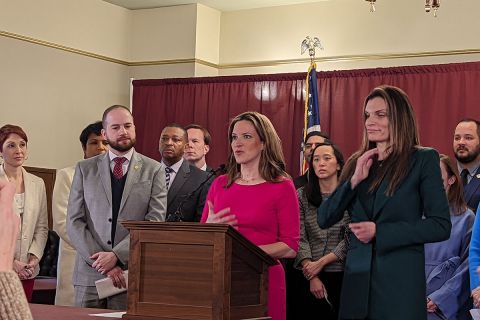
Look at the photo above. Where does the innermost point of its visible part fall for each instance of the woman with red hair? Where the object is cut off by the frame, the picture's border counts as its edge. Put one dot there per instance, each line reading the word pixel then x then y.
pixel 30 203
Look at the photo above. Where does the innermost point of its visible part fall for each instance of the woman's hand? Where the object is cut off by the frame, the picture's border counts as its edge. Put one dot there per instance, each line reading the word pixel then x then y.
pixel 317 288
pixel 364 162
pixel 223 216
pixel 33 261
pixel 431 306
pixel 9 226
pixel 312 268
pixel 365 231
pixel 22 269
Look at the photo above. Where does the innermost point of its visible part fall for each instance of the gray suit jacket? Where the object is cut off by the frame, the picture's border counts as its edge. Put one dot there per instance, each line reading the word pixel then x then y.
pixel 187 180
pixel 89 212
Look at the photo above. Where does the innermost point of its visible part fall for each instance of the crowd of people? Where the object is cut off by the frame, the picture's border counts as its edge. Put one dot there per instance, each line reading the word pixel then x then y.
pixel 387 234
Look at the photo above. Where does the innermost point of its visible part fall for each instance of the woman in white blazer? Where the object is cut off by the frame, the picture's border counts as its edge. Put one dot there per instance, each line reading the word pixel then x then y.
pixel 30 203
pixel 93 143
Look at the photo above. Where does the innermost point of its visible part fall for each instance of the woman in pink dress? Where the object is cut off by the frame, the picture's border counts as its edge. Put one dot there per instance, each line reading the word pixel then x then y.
pixel 257 197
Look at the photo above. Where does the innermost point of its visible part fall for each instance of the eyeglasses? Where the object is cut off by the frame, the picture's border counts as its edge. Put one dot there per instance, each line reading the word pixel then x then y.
pixel 310 145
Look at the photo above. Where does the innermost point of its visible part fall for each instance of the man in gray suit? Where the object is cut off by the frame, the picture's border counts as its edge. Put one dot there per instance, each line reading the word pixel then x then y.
pixel 187 185
pixel 106 190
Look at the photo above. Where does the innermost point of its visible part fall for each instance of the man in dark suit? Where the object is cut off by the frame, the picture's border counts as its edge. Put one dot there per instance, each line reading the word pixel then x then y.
pixel 187 185
pixel 311 141
pixel 466 146
pixel 198 146
pixel 106 190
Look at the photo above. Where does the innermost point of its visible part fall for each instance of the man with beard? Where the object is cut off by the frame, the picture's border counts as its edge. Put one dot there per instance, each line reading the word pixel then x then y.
pixel 466 145
pixel 187 185
pixel 106 190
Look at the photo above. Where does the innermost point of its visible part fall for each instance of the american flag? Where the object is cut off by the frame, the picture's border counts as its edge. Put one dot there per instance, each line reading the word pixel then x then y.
pixel 312 113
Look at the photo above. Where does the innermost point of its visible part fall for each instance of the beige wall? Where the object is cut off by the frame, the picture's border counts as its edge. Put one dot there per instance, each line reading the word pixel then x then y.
pixel 207 44
pixel 163 34
pixel 89 25
pixel 180 70
pixel 347 28
pixel 54 93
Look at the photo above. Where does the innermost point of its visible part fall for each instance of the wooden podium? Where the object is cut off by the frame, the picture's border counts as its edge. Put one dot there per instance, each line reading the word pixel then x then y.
pixel 180 271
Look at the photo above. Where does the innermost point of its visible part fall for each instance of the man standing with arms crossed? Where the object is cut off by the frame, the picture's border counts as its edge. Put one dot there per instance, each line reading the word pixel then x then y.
pixel 106 190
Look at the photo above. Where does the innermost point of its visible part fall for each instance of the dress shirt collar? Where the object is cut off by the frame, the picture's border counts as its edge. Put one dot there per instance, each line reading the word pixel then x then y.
pixel 176 166
pixel 127 155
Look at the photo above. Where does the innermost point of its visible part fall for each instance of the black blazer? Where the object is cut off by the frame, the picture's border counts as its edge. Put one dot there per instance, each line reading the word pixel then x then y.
pixel 187 180
pixel 472 191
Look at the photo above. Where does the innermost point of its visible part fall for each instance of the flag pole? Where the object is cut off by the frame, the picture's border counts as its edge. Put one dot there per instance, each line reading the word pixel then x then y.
pixel 310 44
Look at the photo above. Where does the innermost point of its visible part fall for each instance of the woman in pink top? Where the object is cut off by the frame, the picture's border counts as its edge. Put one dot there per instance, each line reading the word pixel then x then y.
pixel 258 198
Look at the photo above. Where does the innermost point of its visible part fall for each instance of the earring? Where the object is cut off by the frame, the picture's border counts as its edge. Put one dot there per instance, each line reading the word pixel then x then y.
pixel 26 158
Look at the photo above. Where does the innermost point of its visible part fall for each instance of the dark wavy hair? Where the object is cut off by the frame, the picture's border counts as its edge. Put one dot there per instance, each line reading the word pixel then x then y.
pixel 312 190
pixel 402 143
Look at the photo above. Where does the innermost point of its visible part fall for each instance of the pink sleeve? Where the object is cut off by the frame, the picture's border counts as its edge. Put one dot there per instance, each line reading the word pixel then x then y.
pixel 210 197
pixel 288 215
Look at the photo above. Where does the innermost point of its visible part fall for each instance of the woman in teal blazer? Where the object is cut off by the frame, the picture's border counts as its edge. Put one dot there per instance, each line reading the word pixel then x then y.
pixel 393 189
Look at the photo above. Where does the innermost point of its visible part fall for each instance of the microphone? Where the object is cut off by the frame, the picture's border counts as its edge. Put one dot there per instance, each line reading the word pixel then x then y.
pixel 177 216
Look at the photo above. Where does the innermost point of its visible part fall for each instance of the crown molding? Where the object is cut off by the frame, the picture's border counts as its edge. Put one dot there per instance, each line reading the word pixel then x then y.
pixel 251 64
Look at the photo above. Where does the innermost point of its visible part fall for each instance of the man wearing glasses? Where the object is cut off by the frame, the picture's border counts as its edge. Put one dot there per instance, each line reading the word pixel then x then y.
pixel 311 141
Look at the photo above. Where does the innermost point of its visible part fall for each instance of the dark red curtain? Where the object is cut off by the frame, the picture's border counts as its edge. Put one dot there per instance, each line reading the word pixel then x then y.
pixel 212 102
pixel 441 95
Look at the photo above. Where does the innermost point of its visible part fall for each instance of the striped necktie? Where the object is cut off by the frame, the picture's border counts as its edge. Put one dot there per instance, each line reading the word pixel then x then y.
pixel 168 170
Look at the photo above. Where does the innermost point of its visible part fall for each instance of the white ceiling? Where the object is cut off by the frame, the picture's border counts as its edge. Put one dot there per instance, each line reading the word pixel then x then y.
pixel 221 5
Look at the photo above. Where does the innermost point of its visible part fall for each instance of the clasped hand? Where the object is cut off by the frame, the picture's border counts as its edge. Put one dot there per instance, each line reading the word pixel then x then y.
pixel 312 268
pixel 25 270
pixel 223 216
pixel 104 261
pixel 117 276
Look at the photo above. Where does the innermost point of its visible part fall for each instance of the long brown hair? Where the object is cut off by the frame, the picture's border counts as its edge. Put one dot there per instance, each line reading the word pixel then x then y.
pixel 272 163
pixel 403 139
pixel 455 197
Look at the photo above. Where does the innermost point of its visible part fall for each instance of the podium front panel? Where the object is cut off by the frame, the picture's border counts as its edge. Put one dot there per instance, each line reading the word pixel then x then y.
pixel 193 273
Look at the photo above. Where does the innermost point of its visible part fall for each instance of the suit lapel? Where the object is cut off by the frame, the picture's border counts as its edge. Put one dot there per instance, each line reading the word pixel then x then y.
pixel 177 184
pixel 103 164
pixel 27 205
pixel 381 197
pixel 133 176
pixel 471 187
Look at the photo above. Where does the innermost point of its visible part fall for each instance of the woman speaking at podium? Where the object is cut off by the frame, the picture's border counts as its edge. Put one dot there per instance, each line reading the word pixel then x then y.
pixel 257 197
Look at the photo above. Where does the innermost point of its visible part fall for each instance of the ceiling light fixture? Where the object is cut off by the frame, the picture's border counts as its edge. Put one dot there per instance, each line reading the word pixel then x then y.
pixel 429 5
pixel 372 5
pixel 432 4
